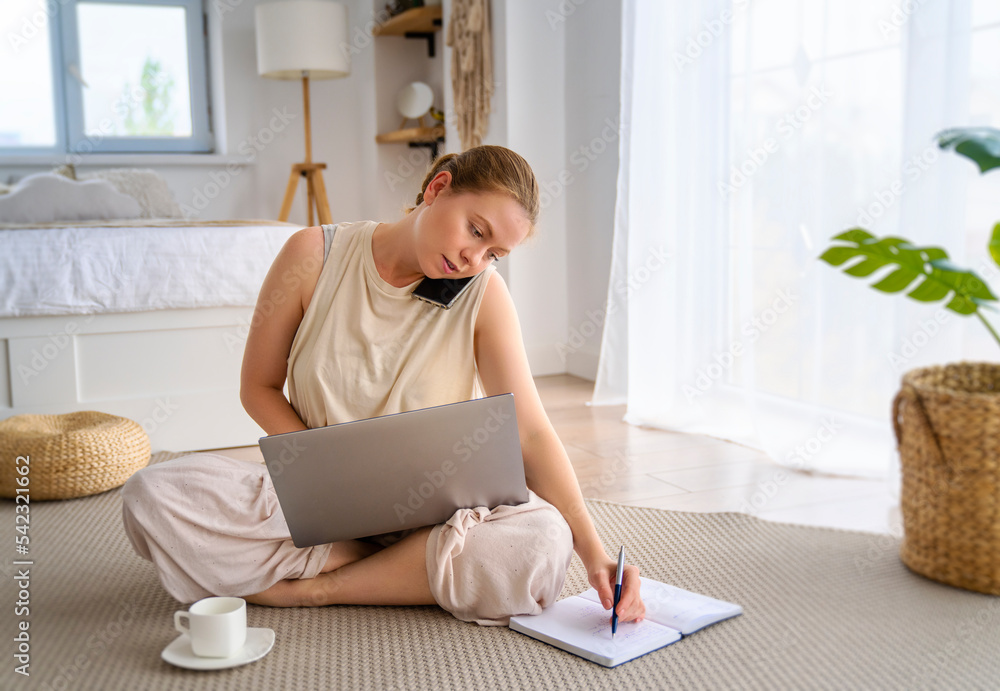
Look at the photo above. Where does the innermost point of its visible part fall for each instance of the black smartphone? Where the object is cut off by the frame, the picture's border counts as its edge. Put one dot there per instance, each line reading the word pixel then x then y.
pixel 441 291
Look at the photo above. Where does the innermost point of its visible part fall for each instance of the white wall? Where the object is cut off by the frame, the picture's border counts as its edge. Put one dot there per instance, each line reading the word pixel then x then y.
pixel 556 73
pixel 557 67
pixel 533 104
pixel 593 62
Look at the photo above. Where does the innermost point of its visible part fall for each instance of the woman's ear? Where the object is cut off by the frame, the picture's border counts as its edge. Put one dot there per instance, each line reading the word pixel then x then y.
pixel 438 184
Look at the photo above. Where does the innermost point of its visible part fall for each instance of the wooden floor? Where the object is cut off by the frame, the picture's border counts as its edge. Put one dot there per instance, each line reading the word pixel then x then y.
pixel 644 467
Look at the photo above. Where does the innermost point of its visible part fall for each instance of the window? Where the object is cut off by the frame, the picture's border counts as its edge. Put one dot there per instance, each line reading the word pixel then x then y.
pixel 88 76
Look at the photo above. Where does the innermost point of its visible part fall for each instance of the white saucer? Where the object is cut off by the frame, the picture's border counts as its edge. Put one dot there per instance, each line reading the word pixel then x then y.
pixel 259 643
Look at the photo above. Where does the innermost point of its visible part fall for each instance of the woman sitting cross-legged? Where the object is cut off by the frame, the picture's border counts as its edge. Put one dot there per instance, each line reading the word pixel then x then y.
pixel 336 319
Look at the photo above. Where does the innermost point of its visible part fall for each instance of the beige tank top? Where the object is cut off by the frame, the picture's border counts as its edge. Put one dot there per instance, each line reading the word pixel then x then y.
pixel 366 348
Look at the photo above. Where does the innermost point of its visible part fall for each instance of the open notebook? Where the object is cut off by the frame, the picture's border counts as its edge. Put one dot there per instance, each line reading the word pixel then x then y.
pixel 580 625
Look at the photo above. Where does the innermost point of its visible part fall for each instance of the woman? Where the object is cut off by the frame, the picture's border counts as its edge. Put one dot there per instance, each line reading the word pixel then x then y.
pixel 335 317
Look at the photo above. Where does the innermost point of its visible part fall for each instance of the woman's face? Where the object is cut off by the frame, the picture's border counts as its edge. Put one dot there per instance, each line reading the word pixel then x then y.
pixel 461 234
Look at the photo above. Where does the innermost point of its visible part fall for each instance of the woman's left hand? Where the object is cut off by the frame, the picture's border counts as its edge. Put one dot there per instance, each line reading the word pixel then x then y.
pixel 602 577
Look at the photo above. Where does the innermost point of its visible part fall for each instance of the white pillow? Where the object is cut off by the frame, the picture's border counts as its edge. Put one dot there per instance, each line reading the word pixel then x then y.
pixel 47 197
pixel 145 186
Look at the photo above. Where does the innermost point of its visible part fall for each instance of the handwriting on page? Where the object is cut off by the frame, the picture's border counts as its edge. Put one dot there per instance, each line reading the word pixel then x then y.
pixel 595 620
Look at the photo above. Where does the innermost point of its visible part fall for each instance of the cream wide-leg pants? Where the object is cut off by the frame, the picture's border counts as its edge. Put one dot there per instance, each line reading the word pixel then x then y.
pixel 212 526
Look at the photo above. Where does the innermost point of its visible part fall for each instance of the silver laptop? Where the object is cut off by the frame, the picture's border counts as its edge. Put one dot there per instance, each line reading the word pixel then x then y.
pixel 407 470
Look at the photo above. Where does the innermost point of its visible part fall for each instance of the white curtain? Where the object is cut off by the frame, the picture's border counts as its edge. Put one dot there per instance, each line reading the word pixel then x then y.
pixel 752 133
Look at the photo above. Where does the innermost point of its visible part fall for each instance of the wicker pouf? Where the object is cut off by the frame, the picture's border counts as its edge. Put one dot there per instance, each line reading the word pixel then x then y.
pixel 71 455
pixel 947 423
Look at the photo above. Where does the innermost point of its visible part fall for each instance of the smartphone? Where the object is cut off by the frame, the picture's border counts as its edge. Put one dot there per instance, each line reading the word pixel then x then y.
pixel 441 291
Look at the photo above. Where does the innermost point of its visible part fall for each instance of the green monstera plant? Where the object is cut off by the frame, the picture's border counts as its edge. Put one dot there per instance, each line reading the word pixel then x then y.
pixel 966 292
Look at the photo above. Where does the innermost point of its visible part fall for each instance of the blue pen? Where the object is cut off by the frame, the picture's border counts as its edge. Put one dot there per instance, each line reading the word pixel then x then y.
pixel 618 591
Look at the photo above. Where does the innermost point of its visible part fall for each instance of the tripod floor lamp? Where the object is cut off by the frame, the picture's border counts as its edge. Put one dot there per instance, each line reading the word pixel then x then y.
pixel 303 39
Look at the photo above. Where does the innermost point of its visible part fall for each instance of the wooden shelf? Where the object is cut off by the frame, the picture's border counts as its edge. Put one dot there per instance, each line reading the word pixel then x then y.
pixel 412 134
pixel 418 20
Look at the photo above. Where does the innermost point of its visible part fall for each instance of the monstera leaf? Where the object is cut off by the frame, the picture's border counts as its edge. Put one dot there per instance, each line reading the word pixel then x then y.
pixel 940 278
pixel 980 144
pixel 994 245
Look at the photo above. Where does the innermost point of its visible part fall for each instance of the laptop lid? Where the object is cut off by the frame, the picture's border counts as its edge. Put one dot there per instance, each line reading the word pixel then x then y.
pixel 396 472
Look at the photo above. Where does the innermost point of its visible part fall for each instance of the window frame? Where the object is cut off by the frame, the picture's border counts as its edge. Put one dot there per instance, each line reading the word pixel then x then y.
pixel 68 90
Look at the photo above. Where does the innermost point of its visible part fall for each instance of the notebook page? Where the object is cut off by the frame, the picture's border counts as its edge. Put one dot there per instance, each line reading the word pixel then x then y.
pixel 678 608
pixel 584 625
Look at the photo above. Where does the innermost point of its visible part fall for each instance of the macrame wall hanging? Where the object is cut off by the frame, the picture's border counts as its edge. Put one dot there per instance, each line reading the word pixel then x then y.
pixel 471 68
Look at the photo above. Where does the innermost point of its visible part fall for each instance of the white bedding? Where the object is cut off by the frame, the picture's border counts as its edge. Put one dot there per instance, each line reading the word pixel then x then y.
pixel 117 266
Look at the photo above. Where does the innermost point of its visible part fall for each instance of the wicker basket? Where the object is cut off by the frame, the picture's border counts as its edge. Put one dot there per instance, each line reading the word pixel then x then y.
pixel 71 455
pixel 947 423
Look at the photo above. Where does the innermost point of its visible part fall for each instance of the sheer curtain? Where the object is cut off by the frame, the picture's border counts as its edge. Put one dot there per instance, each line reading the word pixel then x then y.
pixel 752 133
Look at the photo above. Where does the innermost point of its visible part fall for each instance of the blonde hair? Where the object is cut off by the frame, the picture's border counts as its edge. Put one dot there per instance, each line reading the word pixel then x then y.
pixel 489 169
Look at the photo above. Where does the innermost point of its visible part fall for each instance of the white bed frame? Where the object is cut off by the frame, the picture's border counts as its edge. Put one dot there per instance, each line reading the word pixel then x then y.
pixel 175 372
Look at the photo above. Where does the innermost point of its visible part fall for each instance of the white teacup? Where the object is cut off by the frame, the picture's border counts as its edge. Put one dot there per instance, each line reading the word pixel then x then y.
pixel 217 626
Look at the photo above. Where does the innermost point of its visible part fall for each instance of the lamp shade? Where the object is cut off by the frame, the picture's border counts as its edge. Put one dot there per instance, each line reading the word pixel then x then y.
pixel 296 36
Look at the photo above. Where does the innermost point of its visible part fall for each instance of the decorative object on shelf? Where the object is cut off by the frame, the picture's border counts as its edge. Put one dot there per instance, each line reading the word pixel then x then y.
pixel 396 8
pixel 471 68
pixel 302 39
pixel 70 455
pixel 946 418
pixel 413 102
pixel 416 22
pixel 413 22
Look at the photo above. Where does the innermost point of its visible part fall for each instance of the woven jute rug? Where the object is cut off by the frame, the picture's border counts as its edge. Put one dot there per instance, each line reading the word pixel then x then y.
pixel 824 609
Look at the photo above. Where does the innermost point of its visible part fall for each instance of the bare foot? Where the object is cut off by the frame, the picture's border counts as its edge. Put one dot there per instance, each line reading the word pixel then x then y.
pixel 347 552
pixel 397 575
